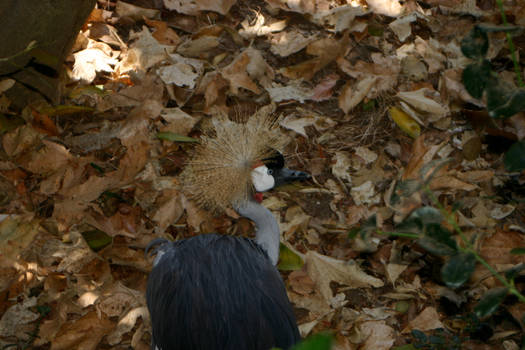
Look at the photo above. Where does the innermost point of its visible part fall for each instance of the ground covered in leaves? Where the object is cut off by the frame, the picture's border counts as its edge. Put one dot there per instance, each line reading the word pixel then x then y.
pixel 369 93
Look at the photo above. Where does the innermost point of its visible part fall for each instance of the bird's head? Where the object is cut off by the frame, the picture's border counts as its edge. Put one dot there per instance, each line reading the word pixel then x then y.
pixel 270 173
pixel 234 159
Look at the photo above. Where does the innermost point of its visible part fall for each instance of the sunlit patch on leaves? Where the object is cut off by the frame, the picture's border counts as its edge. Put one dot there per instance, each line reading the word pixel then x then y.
pixel 458 269
pixel 490 301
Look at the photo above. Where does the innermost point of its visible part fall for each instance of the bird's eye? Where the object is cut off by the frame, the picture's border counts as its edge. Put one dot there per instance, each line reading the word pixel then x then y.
pixel 270 171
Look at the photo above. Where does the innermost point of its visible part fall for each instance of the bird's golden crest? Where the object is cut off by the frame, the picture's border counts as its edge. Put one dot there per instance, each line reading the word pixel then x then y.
pixel 219 173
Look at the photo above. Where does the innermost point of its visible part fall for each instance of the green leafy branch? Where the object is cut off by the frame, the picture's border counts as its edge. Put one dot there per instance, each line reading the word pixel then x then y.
pixel 503 99
pixel 511 44
pixel 425 225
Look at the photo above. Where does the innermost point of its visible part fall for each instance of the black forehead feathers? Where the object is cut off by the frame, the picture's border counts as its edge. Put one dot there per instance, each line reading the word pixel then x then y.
pixel 276 161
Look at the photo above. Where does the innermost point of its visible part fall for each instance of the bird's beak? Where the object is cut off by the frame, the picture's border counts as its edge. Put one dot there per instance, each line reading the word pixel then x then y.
pixel 286 175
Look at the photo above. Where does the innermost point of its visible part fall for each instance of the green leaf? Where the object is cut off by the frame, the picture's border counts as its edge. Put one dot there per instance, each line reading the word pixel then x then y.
pixel 171 136
pixel 514 271
pixel 405 347
pixel 515 159
pixel 369 226
pixel 375 30
pixel 96 239
pixel 288 259
pixel 419 336
pixel 405 188
pixel 402 306
pixel 428 215
pixel 490 301
pixel 476 44
pixel 488 28
pixel 43 310
pixel 369 105
pixel 504 99
pixel 315 342
pixel 518 251
pixel 457 269
pixel 441 234
pixel 436 247
pixel 419 218
pixel 476 77
pixel 354 232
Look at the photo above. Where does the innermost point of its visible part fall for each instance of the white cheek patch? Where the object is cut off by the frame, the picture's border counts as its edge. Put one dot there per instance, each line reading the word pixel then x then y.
pixel 261 180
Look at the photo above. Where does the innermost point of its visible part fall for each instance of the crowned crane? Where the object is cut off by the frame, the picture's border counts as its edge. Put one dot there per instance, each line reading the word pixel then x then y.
pixel 220 292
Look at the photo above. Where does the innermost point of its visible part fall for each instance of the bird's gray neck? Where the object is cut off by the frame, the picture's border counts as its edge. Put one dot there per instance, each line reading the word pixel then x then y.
pixel 267 233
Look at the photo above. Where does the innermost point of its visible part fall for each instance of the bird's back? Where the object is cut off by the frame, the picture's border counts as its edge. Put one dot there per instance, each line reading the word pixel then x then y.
pixel 215 292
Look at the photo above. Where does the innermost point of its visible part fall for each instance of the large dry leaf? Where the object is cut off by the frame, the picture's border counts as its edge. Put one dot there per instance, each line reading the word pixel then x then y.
pixel 339 18
pixel 183 72
pixel 365 194
pixel 193 7
pixel 390 8
pixel 169 210
pixel 286 43
pixel 341 166
pixel 177 121
pixel 97 57
pixel 16 316
pixel 127 323
pixel 384 68
pixel 402 25
pixel 144 53
pixel 246 68
pixel 49 158
pixel 82 334
pixel 137 13
pixel 427 320
pixel 118 300
pixel 293 91
pixel 323 270
pixel 199 46
pixel 496 248
pixel 325 50
pixel 379 335
pixel 16 233
pixel 353 94
pixel 305 7
pixel 20 140
pixel 258 28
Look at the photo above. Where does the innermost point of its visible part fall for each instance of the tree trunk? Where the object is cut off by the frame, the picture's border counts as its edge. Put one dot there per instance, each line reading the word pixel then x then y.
pixel 52 26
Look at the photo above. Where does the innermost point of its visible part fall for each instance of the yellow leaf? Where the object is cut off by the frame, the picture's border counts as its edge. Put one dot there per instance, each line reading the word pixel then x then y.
pixel 405 122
